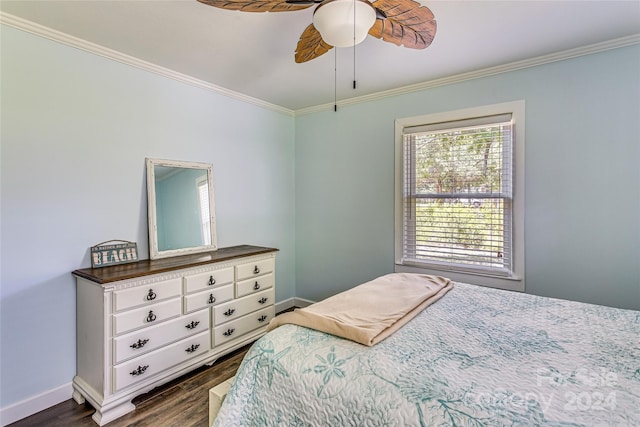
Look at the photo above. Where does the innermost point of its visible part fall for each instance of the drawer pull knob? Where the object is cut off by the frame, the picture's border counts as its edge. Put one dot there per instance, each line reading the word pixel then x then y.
pixel 229 312
pixel 212 299
pixel 192 325
pixel 193 348
pixel 228 332
pixel 139 371
pixel 151 317
pixel 263 300
pixel 256 286
pixel 256 270
pixel 151 295
pixel 262 318
pixel 139 344
pixel 212 281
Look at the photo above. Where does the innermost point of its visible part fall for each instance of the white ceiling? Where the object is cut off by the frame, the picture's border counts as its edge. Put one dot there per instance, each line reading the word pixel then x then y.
pixel 253 53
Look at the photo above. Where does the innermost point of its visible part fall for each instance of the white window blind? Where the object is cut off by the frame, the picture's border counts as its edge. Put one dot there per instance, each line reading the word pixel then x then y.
pixel 457 202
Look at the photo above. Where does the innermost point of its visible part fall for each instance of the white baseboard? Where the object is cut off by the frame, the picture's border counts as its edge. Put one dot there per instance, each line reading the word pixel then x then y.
pixel 292 302
pixel 301 302
pixel 31 405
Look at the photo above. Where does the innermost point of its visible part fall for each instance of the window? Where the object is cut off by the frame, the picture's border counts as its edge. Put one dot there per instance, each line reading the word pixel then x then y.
pixel 459 195
pixel 205 217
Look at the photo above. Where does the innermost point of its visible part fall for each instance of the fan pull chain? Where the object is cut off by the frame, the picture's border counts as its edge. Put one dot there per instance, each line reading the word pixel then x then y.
pixel 335 79
pixel 354 44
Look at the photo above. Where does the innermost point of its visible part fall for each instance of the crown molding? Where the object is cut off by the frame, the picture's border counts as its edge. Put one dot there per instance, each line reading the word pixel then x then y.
pixel 60 37
pixel 485 72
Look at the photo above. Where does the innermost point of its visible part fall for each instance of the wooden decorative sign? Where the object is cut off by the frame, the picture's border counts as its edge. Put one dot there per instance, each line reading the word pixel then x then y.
pixel 113 252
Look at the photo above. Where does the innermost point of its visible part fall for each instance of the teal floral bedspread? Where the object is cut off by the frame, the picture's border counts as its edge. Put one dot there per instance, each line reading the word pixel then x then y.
pixel 477 357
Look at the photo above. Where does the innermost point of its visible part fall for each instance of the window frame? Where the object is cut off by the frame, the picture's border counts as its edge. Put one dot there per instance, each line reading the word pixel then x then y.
pixel 515 279
pixel 205 215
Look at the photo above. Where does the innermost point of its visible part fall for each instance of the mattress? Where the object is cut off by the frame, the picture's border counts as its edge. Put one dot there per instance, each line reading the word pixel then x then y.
pixel 477 357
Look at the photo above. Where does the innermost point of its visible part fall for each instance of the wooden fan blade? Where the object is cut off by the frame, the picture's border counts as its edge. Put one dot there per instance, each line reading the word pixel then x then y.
pixel 408 23
pixel 256 5
pixel 311 45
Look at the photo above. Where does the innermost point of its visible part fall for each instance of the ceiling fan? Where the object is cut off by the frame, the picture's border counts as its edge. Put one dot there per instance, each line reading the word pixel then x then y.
pixel 344 23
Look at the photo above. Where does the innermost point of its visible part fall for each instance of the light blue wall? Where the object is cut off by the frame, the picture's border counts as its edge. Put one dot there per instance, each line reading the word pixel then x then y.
pixel 582 203
pixel 76 129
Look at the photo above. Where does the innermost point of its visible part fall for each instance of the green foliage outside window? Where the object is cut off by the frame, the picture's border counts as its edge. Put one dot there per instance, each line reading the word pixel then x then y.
pixel 458 206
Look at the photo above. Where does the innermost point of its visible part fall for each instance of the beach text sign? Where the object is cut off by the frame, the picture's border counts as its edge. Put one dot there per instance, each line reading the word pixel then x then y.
pixel 110 253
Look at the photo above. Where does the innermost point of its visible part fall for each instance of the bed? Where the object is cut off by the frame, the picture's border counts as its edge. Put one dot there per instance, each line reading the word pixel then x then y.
pixel 476 357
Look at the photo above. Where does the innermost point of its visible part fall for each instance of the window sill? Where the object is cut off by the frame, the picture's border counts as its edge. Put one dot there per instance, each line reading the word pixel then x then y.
pixel 511 283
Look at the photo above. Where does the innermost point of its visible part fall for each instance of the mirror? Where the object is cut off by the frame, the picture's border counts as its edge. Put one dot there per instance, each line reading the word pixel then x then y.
pixel 181 208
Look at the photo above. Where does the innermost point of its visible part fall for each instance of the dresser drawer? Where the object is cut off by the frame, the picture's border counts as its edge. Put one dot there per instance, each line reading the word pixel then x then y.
pixel 213 296
pixel 254 269
pixel 260 283
pixel 143 341
pixel 239 307
pixel 202 281
pixel 148 365
pixel 146 294
pixel 241 326
pixel 146 316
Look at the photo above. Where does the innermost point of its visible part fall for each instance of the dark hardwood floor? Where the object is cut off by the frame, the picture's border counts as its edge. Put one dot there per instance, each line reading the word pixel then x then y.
pixel 183 402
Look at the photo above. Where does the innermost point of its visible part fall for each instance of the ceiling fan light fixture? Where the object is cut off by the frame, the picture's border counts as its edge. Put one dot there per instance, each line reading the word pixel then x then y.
pixel 335 21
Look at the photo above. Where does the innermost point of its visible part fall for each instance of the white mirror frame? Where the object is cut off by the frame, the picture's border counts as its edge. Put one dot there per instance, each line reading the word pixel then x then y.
pixel 154 253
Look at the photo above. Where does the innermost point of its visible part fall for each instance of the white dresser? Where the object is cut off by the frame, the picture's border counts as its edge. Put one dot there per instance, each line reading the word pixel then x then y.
pixel 142 324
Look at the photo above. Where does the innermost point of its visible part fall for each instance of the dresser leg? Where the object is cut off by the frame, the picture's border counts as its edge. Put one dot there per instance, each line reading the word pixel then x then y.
pixel 102 417
pixel 79 398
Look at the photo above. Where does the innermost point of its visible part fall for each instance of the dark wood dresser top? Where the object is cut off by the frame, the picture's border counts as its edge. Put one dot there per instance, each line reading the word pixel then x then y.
pixel 147 267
